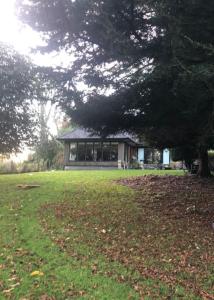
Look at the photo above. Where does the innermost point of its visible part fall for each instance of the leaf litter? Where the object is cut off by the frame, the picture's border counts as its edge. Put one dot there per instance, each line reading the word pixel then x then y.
pixel 164 231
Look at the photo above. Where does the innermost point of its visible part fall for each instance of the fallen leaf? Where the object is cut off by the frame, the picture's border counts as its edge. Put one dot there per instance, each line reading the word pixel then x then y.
pixel 8 291
pixel 37 273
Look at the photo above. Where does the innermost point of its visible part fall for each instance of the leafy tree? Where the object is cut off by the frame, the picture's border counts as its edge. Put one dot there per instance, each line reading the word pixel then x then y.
pixel 46 147
pixel 153 59
pixel 47 152
pixel 16 89
pixel 186 154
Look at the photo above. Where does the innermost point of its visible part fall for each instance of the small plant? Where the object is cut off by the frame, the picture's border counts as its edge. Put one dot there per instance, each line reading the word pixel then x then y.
pixel 135 165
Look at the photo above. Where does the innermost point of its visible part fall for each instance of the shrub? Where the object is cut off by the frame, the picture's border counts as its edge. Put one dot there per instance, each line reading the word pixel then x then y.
pixel 8 167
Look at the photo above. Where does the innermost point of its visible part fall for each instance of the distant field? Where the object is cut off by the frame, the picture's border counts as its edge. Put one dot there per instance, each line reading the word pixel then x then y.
pixel 82 235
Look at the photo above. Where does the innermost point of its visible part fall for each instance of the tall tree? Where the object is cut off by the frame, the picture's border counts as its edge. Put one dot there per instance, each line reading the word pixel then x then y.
pixel 22 85
pixel 154 59
pixel 46 147
pixel 16 90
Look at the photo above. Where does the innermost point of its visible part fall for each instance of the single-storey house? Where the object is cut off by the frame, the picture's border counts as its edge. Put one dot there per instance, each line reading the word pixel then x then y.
pixel 84 150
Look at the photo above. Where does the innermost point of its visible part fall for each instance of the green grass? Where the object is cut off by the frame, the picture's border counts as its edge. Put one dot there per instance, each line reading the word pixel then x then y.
pixel 76 229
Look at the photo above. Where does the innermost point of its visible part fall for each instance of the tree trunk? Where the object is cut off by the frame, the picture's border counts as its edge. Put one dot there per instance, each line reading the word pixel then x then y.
pixel 204 169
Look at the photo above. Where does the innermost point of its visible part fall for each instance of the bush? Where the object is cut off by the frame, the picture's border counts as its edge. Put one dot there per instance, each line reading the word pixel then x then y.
pixel 135 165
pixel 58 161
pixel 26 167
pixel 211 159
pixel 187 154
pixel 211 154
pixel 8 167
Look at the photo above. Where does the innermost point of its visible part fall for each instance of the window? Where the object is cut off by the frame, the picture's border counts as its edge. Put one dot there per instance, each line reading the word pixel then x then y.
pixel 106 151
pixel 89 152
pixel 133 154
pixel 148 156
pixel 98 152
pixel 94 151
pixel 81 152
pixel 73 151
pixel 126 153
pixel 157 157
pixel 114 152
pixel 152 156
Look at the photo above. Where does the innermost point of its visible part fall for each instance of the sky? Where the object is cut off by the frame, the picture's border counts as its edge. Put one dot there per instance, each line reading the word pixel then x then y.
pixel 24 39
pixel 13 32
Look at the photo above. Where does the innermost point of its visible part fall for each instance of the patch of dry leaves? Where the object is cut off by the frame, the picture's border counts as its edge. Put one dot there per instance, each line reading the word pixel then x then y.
pixel 166 234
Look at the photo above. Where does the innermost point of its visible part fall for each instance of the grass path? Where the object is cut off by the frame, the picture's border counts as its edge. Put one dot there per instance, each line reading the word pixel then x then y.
pixel 34 239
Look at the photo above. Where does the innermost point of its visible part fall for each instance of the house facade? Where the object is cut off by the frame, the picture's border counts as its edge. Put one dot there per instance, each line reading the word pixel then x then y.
pixel 83 150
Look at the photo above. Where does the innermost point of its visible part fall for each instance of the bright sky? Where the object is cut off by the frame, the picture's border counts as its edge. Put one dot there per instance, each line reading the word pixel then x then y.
pixel 13 32
pixel 23 39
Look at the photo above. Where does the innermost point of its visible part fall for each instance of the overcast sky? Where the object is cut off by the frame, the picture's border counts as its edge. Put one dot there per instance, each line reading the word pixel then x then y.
pixel 13 32
pixel 23 39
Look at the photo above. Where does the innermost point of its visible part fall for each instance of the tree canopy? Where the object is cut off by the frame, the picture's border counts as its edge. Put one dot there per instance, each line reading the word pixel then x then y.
pixel 22 85
pixel 148 63
pixel 16 89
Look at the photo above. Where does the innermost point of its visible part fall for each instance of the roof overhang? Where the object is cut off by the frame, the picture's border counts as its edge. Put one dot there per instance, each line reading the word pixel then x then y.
pixel 119 140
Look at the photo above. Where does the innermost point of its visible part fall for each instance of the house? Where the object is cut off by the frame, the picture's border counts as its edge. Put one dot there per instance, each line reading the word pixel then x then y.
pixel 84 150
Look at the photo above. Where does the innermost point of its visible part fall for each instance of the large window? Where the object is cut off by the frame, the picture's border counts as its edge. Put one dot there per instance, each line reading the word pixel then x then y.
pixel 97 151
pixel 152 156
pixel 81 152
pixel 157 157
pixel 106 151
pixel 114 152
pixel 73 151
pixel 148 156
pixel 89 152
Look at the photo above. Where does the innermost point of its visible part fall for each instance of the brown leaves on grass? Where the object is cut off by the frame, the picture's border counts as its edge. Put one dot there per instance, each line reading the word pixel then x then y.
pixel 176 196
pixel 206 296
pixel 46 297
pixel 164 232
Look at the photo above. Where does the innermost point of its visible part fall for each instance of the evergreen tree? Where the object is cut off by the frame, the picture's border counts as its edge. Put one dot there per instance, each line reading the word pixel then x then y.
pixel 154 59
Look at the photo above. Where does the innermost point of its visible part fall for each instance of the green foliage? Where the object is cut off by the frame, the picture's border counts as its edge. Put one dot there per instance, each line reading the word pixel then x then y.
pixel 186 154
pixel 47 151
pixel 29 167
pixel 135 165
pixel 211 154
pixel 211 159
pixel 8 167
pixel 22 84
pixel 155 56
pixel 16 95
pixel 58 160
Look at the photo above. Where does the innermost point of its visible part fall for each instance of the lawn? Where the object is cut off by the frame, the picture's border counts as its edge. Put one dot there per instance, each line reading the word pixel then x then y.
pixel 96 235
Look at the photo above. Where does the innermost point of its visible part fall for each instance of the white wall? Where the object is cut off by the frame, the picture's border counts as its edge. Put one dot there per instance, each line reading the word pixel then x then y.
pixel 166 157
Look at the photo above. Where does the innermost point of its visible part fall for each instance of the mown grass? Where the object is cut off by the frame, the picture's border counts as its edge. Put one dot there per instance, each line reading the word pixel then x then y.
pixel 68 229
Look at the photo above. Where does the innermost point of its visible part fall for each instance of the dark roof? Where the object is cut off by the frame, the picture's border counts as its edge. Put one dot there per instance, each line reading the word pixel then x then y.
pixel 84 134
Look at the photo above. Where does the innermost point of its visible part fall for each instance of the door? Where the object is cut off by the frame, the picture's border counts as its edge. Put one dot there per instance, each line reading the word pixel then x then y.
pixel 141 154
pixel 166 157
